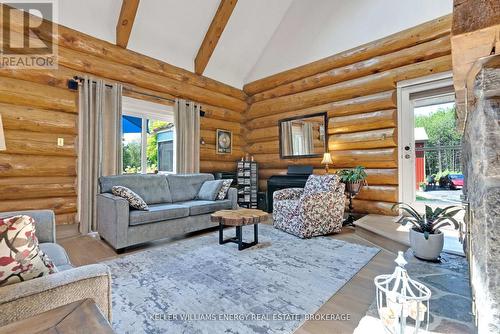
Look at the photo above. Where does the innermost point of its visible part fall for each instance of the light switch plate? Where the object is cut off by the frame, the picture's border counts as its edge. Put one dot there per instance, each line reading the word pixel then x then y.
pixel 60 141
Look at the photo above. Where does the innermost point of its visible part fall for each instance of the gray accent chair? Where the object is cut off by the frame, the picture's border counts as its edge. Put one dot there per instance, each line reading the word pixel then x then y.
pixel 26 299
pixel 173 208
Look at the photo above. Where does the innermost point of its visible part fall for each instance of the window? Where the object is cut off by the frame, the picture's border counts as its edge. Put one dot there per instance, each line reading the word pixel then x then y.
pixel 147 137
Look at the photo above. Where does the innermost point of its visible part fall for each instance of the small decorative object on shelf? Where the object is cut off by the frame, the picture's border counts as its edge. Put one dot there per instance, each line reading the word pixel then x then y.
pixel 402 303
pixel 354 180
pixel 426 239
pixel 248 183
pixel 327 160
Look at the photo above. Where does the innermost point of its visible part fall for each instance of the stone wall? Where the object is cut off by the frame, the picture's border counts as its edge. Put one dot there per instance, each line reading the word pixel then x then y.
pixel 482 177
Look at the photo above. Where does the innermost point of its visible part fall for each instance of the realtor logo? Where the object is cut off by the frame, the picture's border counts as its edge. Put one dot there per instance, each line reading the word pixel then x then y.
pixel 27 33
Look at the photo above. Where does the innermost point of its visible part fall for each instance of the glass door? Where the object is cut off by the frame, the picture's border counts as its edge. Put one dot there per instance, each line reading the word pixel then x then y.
pixel 430 165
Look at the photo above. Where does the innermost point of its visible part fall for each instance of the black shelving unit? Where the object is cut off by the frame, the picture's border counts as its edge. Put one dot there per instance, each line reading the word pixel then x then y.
pixel 248 184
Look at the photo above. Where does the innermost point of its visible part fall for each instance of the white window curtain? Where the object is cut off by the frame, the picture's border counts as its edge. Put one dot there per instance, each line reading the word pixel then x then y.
pixel 187 136
pixel 99 143
pixel 287 138
pixel 308 138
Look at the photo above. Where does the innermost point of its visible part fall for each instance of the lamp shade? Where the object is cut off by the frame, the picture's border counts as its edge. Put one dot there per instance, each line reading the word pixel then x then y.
pixel 327 159
pixel 2 136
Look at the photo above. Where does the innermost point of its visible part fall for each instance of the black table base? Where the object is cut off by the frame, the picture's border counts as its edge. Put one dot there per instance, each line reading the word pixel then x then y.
pixel 350 219
pixel 239 237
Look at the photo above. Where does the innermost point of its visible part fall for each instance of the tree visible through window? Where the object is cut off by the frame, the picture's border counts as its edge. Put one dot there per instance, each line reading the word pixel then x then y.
pixel 147 145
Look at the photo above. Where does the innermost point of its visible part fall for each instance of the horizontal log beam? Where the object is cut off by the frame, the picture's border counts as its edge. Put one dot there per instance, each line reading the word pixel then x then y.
pixel 38 143
pixel 217 166
pixel 39 120
pixel 33 191
pixel 429 50
pixel 123 73
pixel 379 193
pixel 222 114
pixel 208 152
pixel 214 124
pixel 366 121
pixel 78 41
pixel 349 89
pixel 20 92
pixel 32 165
pixel 263 134
pixel 356 105
pixel 363 140
pixel 54 78
pixel 59 205
pixel 373 158
pixel 413 36
pixel 272 146
pixel 373 207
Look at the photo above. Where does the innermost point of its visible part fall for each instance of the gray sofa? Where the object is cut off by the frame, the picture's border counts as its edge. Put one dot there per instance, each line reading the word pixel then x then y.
pixel 173 208
pixel 26 299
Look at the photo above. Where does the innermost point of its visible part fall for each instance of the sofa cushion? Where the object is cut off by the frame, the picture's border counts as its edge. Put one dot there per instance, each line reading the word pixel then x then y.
pixel 199 207
pixel 226 184
pixel 153 189
pixel 185 187
pixel 57 254
pixel 134 200
pixel 157 213
pixel 209 190
pixel 21 258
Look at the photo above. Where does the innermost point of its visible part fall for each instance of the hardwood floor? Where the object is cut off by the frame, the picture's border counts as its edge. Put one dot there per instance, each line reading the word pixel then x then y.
pixel 352 300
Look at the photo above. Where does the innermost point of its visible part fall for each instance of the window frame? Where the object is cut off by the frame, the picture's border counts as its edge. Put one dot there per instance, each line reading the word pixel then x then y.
pixel 150 111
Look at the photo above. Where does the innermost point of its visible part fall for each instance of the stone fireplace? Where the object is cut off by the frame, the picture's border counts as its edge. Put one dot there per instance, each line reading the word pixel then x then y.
pixel 481 148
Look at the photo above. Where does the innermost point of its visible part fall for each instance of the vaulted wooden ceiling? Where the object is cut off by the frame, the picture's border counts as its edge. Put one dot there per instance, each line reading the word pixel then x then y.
pixel 239 41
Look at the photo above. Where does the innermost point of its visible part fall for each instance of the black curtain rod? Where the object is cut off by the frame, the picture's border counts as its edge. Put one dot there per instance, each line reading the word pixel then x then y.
pixel 73 85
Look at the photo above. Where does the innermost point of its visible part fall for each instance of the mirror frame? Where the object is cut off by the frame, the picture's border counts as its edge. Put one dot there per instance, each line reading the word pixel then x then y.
pixel 325 124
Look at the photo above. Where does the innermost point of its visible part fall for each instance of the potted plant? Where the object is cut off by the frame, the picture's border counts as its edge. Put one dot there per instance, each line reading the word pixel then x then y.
pixel 422 186
pixel 354 178
pixel 426 239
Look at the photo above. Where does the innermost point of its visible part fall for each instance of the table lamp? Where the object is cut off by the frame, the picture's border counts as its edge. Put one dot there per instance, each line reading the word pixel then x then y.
pixel 327 160
pixel 2 136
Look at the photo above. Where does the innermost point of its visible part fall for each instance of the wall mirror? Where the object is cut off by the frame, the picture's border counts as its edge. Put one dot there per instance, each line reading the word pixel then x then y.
pixel 303 136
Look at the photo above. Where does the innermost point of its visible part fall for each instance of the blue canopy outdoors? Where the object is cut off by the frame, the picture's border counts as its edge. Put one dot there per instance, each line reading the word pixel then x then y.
pixel 131 124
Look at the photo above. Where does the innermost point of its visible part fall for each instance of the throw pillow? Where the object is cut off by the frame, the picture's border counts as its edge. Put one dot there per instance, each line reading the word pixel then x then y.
pixel 209 190
pixel 226 184
pixel 134 200
pixel 21 258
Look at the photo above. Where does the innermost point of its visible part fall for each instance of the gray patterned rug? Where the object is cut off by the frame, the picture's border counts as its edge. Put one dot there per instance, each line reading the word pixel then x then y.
pixel 198 286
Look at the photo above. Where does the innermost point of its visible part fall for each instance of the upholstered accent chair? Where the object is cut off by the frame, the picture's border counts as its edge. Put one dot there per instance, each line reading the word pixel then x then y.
pixel 318 209
pixel 26 299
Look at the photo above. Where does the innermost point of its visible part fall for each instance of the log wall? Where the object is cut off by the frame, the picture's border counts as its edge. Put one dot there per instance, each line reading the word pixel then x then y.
pixel 357 89
pixel 37 109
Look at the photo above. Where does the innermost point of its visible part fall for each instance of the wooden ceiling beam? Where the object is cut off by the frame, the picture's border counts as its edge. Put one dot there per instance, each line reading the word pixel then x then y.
pixel 126 21
pixel 213 34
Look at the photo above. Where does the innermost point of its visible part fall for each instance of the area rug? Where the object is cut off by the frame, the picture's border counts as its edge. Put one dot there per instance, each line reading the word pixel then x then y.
pixel 198 286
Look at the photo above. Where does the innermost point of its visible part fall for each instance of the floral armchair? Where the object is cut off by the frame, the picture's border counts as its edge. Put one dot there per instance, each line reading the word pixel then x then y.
pixel 318 209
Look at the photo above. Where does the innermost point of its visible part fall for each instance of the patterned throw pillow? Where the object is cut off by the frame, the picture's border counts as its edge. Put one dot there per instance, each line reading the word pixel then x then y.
pixel 133 199
pixel 21 258
pixel 226 184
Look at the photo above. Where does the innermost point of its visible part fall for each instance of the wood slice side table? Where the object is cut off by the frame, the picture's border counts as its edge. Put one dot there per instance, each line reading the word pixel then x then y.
pixel 238 219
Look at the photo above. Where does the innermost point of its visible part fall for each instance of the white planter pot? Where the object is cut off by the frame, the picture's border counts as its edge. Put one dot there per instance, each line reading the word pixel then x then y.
pixel 426 249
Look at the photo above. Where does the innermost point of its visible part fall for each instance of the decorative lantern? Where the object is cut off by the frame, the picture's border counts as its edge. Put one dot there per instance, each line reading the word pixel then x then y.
pixel 401 301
